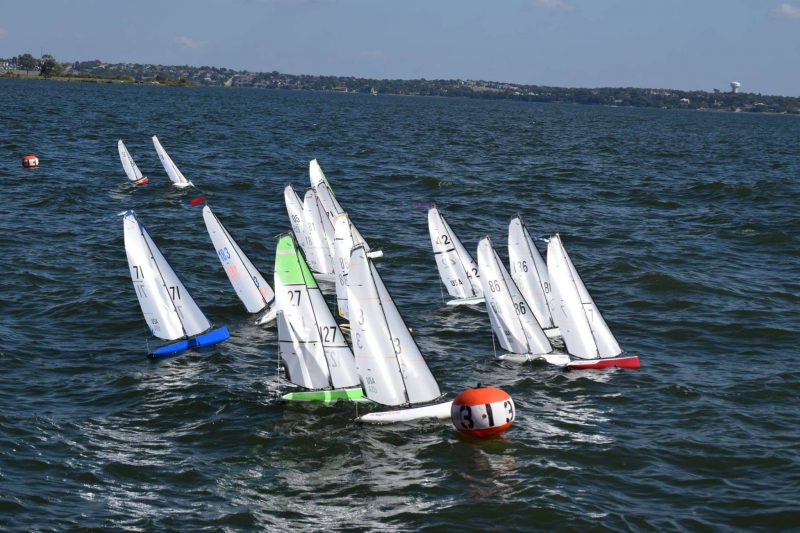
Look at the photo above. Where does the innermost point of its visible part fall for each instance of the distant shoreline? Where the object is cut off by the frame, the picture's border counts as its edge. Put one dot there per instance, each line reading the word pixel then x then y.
pixel 609 97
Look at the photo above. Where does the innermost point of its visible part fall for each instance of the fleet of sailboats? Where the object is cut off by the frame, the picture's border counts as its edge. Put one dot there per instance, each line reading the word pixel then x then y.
pixel 532 305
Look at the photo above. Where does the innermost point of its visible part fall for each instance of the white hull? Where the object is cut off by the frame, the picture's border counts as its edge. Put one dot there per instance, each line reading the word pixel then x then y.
pixel 553 333
pixel 183 185
pixel 325 278
pixel 475 300
pixel 268 317
pixel 439 411
pixel 557 359
pixel 375 254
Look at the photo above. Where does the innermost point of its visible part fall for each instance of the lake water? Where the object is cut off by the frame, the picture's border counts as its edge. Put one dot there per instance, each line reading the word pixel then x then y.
pixel 684 226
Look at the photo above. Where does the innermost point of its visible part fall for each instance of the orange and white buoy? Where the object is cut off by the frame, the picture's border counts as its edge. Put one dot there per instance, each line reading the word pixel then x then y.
pixel 30 161
pixel 483 411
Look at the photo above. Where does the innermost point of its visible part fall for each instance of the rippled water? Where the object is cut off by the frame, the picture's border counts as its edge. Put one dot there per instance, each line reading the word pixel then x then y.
pixel 683 224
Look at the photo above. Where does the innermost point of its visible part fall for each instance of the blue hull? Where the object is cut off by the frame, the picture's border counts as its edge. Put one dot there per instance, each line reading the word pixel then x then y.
pixel 209 338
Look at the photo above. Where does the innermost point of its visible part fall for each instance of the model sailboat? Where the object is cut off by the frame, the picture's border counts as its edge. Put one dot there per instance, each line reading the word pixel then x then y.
pixel 331 205
pixel 585 333
pixel 175 175
pixel 457 269
pixel 168 308
pixel 313 349
pixel 529 272
pixel 513 323
pixel 344 242
pixel 129 165
pixel 250 286
pixel 319 231
pixel 389 363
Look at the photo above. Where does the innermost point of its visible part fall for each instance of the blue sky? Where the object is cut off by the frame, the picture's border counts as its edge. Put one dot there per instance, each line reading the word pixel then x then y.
pixel 681 44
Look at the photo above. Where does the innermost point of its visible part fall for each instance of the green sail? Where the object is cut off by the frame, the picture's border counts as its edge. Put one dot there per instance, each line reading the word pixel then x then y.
pixel 290 265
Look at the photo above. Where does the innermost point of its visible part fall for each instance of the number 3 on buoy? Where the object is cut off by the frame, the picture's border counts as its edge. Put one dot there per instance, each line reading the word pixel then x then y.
pixel 483 411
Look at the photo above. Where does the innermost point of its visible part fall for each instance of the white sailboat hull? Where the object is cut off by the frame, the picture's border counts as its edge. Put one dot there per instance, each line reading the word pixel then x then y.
pixel 440 411
pixel 267 317
pixel 552 333
pixel 557 359
pixel 475 300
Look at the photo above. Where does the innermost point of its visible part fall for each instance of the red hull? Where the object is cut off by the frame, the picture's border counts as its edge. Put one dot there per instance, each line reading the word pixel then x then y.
pixel 631 362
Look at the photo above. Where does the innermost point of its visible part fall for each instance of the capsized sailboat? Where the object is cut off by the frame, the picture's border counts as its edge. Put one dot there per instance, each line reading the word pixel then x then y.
pixel 169 310
pixel 457 269
pixel 250 286
pixel 513 323
pixel 529 272
pixel 129 165
pixel 389 363
pixel 313 349
pixel 178 179
pixel 585 333
pixel 330 204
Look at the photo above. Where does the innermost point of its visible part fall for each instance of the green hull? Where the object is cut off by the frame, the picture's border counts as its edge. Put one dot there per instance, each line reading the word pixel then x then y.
pixel 354 395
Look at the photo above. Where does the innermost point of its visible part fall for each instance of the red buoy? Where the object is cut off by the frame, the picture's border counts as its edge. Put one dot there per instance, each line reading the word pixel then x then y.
pixel 30 161
pixel 483 411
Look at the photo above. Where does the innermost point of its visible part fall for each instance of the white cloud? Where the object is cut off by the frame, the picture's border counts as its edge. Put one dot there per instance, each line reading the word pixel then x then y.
pixel 188 42
pixel 788 11
pixel 3 33
pixel 553 4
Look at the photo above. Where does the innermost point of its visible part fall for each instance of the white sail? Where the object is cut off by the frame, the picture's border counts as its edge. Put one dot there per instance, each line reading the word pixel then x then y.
pixel 585 333
pixel 389 363
pixel 294 206
pixel 251 287
pixel 168 308
pixel 312 346
pixel 132 171
pixel 344 243
pixel 512 321
pixel 529 271
pixel 328 199
pixel 319 232
pixel 317 177
pixel 172 170
pixel 457 268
